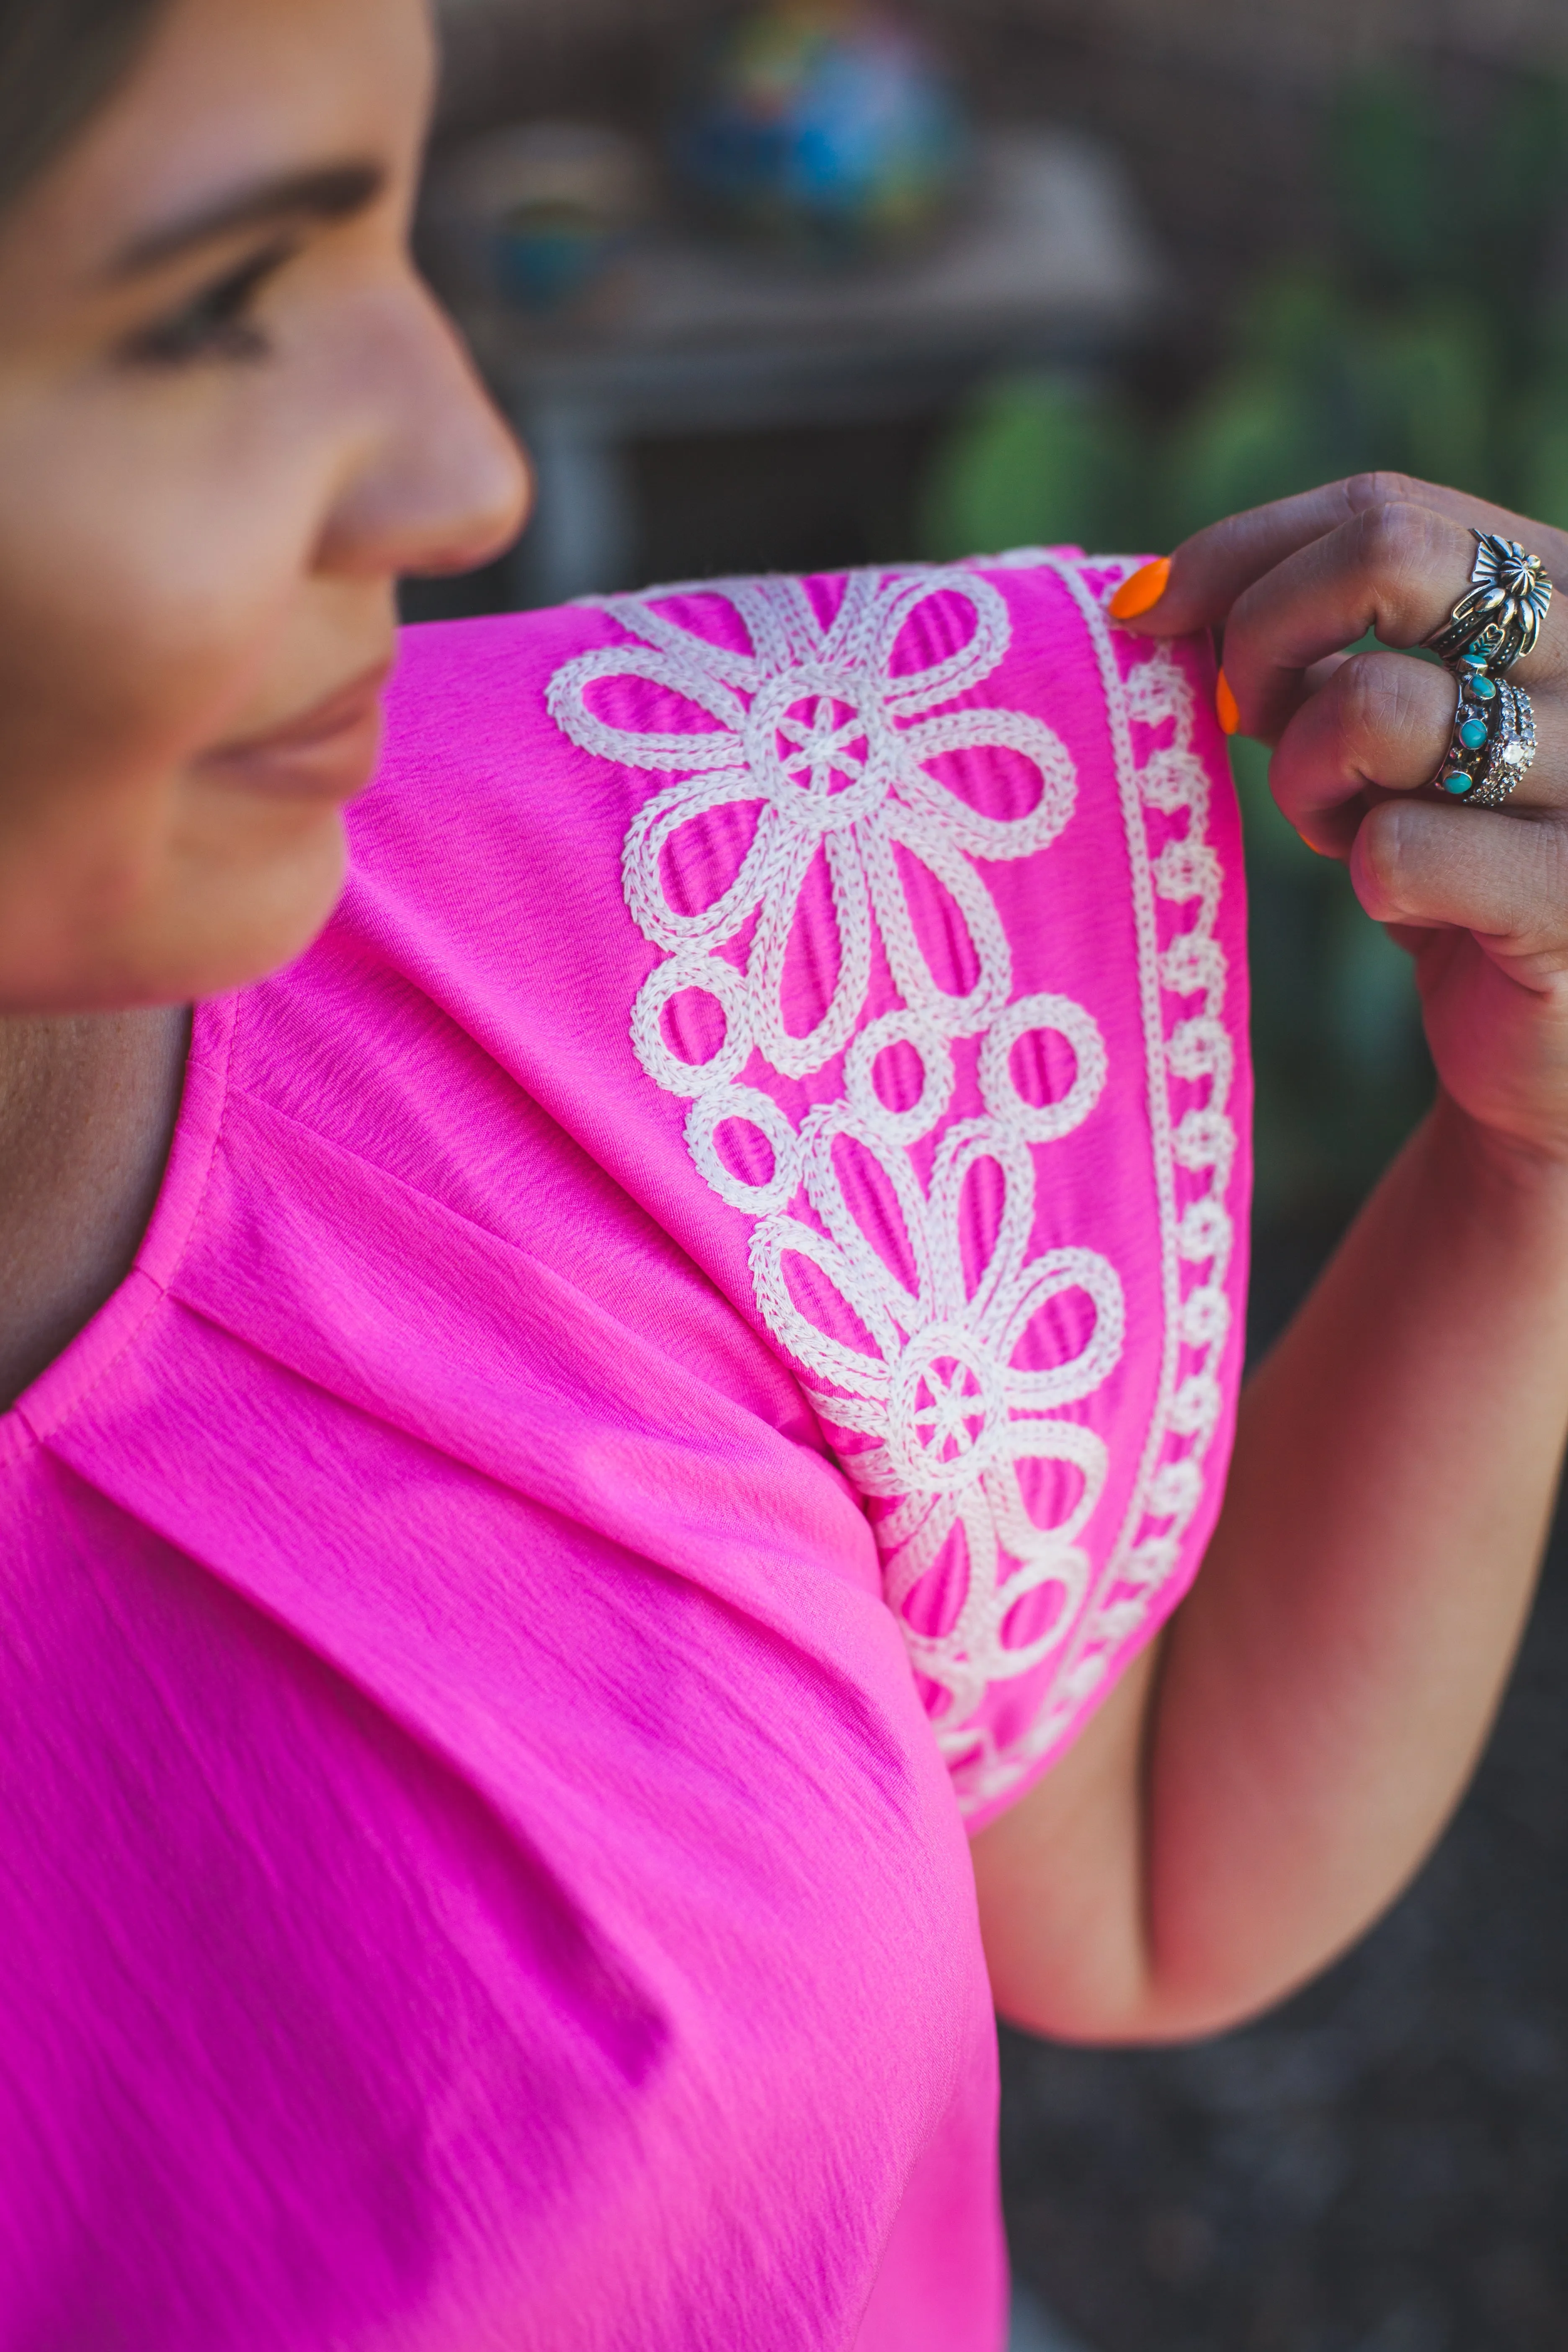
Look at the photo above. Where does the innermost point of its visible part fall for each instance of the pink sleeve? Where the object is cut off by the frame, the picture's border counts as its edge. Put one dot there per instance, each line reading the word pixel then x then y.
pixel 938 1008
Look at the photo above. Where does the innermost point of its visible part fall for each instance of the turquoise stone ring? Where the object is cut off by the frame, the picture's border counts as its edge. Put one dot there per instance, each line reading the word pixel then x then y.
pixel 1495 622
pixel 1490 755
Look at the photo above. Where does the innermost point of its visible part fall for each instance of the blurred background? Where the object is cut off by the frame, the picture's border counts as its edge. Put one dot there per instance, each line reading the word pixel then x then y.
pixel 816 283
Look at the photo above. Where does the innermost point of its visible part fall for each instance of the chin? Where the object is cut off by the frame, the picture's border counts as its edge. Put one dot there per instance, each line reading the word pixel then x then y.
pixel 210 934
pixel 260 924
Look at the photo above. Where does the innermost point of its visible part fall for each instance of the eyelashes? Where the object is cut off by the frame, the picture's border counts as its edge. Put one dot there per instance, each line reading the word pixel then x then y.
pixel 218 324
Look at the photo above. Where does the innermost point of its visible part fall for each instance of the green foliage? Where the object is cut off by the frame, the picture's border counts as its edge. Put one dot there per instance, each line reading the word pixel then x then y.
pixel 1418 343
pixel 1448 199
pixel 1324 386
pixel 1543 490
pixel 1254 436
pixel 1340 1064
pixel 1034 460
pixel 1386 172
pixel 1539 434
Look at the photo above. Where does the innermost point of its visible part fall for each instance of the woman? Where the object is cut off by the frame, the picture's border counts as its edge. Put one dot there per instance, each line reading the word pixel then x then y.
pixel 477 1866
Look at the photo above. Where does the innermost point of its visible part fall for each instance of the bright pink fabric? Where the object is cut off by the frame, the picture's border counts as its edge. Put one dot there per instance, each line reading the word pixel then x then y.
pixel 476 1868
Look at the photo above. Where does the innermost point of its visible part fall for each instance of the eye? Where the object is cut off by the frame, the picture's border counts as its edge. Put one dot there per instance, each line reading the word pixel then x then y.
pixel 217 325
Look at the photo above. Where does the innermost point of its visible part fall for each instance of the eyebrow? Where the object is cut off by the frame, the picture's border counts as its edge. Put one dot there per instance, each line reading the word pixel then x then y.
pixel 332 192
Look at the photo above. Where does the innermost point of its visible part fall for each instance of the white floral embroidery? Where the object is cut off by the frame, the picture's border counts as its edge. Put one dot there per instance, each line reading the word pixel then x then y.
pixel 817 730
pixel 940 1393
pixel 1197 1238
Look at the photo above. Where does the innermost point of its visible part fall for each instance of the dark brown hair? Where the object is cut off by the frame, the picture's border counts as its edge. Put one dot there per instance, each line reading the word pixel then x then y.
pixel 59 59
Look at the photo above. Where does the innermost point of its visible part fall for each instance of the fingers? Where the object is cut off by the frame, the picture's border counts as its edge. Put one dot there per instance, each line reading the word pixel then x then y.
pixel 1382 723
pixel 1395 570
pixel 1294 583
pixel 1210 571
pixel 1213 569
pixel 1502 878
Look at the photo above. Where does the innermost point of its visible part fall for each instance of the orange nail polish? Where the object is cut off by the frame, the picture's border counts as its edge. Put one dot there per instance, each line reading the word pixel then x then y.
pixel 1142 591
pixel 1226 705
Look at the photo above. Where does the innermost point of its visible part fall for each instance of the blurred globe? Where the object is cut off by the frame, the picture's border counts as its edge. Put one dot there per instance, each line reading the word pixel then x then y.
pixel 536 212
pixel 822 124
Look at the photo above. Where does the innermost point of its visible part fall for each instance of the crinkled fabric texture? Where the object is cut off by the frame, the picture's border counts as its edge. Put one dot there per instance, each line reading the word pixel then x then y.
pixel 680 1351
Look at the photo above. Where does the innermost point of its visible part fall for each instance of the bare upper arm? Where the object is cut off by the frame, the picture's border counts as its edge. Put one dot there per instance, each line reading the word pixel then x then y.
pixel 1061 1879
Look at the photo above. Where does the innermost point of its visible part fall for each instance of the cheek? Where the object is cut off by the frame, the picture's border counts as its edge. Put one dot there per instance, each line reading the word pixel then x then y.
pixel 143 598
pixel 122 879
pixel 159 539
pixel 123 649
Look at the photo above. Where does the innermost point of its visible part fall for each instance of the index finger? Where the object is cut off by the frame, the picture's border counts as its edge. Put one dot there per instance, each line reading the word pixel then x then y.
pixel 1216 566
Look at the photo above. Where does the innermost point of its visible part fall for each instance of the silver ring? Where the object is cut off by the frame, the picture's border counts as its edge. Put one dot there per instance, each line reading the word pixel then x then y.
pixel 1492 748
pixel 1498 619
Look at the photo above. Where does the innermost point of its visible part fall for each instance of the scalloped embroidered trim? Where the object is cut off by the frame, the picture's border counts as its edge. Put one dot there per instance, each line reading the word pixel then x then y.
pixel 817 732
pixel 1197 1242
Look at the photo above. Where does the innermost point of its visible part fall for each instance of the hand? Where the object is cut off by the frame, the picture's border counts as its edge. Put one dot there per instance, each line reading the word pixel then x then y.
pixel 1479 897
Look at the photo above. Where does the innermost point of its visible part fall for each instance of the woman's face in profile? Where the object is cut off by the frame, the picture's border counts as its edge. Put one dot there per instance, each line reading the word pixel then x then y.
pixel 230 417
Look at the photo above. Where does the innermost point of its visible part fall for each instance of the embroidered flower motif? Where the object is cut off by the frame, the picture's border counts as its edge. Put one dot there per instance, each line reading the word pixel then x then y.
pixel 1165 783
pixel 921 1360
pixel 806 785
pixel 824 745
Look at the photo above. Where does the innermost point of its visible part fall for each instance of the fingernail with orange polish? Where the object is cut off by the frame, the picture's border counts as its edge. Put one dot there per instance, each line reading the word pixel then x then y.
pixel 1142 591
pixel 1226 705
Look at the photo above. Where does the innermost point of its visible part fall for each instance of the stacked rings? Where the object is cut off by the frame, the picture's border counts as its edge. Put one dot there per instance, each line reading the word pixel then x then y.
pixel 1491 751
pixel 1496 622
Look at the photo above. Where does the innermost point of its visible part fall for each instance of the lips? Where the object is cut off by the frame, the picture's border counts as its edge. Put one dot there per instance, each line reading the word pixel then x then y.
pixel 328 752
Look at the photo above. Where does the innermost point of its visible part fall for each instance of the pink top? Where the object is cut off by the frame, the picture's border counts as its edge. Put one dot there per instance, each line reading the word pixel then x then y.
pixel 680 1351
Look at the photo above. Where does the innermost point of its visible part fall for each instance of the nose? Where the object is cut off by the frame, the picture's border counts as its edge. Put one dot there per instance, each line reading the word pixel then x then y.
pixel 439 483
